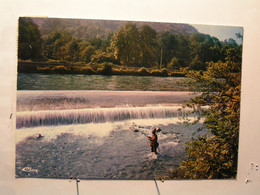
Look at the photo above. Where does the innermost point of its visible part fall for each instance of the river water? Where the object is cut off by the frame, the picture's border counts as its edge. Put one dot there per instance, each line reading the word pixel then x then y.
pixel 99 130
pixel 99 82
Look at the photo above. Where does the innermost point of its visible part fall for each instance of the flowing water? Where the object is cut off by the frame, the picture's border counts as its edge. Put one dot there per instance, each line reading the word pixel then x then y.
pixel 99 134
pixel 99 82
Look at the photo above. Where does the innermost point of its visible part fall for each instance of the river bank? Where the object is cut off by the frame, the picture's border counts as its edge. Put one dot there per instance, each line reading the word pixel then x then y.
pixel 93 69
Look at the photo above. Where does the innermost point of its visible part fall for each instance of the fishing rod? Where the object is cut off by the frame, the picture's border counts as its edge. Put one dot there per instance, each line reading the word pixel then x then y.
pixel 144 134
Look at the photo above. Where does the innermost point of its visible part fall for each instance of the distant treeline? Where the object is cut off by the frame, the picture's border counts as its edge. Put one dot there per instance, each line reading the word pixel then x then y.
pixel 130 46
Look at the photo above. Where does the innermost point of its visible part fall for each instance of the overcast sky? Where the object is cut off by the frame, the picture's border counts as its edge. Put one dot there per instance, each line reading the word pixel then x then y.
pixel 221 32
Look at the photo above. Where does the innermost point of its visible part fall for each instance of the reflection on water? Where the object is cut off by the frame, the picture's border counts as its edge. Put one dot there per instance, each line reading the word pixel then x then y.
pixel 99 82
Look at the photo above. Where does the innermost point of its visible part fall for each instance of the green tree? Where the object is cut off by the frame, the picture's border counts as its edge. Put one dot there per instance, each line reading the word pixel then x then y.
pixel 29 40
pixel 214 155
pixel 196 64
pixel 184 50
pixel 230 42
pixel 56 45
pixel 101 57
pixel 148 46
pixel 169 46
pixel 205 48
pixel 126 45
pixel 73 50
pixel 86 53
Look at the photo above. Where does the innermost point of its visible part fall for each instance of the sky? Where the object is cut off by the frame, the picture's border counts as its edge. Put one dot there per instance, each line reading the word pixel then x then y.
pixel 221 32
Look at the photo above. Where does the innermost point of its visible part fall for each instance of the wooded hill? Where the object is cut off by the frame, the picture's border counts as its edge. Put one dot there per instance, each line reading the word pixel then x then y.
pixel 86 29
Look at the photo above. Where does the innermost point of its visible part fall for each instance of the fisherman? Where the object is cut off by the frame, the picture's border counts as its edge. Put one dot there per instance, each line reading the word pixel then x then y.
pixel 153 141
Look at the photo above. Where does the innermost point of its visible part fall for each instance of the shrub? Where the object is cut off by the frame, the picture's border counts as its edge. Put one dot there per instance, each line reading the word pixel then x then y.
pixel 177 74
pixel 60 69
pixel 143 72
pixel 173 64
pixel 101 57
pixel 164 72
pixel 106 69
pixel 156 72
pixel 87 70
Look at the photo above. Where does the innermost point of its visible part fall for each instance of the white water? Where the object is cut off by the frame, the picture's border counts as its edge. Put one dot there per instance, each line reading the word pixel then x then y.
pixel 100 130
pixel 95 115
pixel 99 142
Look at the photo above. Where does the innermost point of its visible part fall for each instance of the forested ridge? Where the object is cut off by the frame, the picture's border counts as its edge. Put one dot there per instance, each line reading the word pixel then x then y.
pixel 127 44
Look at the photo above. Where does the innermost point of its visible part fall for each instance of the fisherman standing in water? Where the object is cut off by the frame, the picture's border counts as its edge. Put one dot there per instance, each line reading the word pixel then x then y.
pixel 153 141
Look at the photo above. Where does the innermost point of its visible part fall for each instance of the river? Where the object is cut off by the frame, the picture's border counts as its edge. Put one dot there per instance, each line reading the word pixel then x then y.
pixel 100 82
pixel 96 127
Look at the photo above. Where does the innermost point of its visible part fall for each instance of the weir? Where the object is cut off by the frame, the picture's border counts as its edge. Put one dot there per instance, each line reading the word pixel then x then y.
pixel 95 115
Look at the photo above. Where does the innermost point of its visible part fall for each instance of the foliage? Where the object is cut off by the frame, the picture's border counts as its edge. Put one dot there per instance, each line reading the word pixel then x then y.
pixel 60 69
pixel 174 64
pixel 87 53
pixel 29 40
pixel 101 57
pixel 196 64
pixel 214 155
pixel 149 45
pixel 164 72
pixel 105 70
pixel 169 46
pixel 126 44
pixel 143 72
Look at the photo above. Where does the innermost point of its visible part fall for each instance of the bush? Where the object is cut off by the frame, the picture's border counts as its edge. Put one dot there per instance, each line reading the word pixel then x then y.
pixel 174 64
pixel 43 69
pixel 177 74
pixel 86 70
pixel 156 72
pixel 60 69
pixel 103 57
pixel 143 72
pixel 106 69
pixel 164 72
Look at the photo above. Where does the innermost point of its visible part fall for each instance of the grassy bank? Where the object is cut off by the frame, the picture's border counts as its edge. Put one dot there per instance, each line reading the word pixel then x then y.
pixel 93 69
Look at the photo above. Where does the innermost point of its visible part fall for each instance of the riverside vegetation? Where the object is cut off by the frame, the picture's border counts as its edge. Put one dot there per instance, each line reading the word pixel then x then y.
pixel 215 155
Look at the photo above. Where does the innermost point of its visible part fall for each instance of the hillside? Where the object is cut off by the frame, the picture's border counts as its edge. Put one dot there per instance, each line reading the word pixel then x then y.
pixel 85 29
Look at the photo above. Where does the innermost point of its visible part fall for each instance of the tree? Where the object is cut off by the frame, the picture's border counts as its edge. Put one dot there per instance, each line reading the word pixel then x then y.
pixel 148 46
pixel 231 42
pixel 101 57
pixel 126 45
pixel 205 48
pixel 73 48
pixel 29 40
pixel 214 155
pixel 196 64
pixel 169 44
pixel 87 53
pixel 56 45
pixel 184 50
